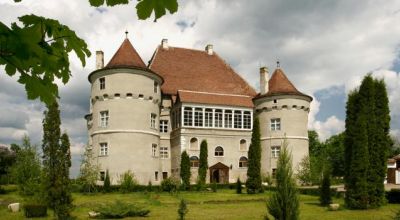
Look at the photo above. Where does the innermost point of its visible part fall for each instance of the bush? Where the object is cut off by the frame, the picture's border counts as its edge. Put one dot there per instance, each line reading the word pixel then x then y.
pixel 397 216
pixel 214 187
pixel 149 187
pixel 238 186
pixel 120 209
pixel 127 182
pixel 182 210
pixel 393 196
pixel 169 185
pixel 2 190
pixel 35 210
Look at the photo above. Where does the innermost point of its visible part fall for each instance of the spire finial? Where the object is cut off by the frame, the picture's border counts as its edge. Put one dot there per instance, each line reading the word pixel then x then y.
pixel 126 34
pixel 278 64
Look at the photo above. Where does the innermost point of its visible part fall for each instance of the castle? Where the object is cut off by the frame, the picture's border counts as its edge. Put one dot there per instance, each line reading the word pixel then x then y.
pixel 142 117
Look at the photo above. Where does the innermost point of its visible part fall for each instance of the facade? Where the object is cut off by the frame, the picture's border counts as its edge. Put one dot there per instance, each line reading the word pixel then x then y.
pixel 393 170
pixel 142 117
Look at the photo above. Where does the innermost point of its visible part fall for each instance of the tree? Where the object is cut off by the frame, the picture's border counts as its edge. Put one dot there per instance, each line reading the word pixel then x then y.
pixel 26 171
pixel 284 203
pixel 304 173
pixel 394 147
pixel 334 147
pixel 107 182
pixel 185 170
pixel 39 49
pixel 7 159
pixel 325 197
pixel 315 146
pixel 203 164
pixel 56 163
pixel 182 211
pixel 238 186
pixel 253 183
pixel 89 171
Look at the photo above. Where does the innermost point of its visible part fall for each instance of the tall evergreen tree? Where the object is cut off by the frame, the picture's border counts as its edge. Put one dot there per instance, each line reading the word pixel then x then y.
pixel 107 182
pixel 203 163
pixel 56 163
pixel 185 170
pixel 284 203
pixel 89 171
pixel 253 183
pixel 325 197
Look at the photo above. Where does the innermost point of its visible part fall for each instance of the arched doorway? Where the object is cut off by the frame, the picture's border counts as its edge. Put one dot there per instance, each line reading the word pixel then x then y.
pixel 219 173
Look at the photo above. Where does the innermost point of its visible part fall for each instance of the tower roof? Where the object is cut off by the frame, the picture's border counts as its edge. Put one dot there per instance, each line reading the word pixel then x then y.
pixel 126 56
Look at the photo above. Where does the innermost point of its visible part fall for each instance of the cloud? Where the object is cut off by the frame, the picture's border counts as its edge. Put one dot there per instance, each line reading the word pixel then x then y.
pixel 329 127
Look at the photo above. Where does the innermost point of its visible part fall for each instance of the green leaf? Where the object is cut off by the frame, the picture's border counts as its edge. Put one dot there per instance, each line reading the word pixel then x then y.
pixel 96 3
pixel 10 69
pixel 146 7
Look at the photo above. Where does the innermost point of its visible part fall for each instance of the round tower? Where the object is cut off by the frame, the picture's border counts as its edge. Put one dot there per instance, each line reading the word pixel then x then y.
pixel 283 114
pixel 124 116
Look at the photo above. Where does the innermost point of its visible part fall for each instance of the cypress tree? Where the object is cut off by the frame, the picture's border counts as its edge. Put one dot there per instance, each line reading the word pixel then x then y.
pixel 203 164
pixel 238 186
pixel 284 203
pixel 185 170
pixel 107 182
pixel 325 197
pixel 253 183
pixel 56 163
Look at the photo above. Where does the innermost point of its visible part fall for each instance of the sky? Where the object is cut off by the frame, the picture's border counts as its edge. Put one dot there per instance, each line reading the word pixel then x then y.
pixel 324 47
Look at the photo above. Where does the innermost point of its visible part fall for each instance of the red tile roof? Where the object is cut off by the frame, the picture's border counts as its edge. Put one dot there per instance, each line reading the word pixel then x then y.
pixel 215 98
pixel 279 84
pixel 195 70
pixel 126 56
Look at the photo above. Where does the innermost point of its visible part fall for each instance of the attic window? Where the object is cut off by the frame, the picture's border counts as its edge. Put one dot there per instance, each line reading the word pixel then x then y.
pixel 129 95
pixel 294 106
pixel 117 95
pixel 141 96
pixel 275 101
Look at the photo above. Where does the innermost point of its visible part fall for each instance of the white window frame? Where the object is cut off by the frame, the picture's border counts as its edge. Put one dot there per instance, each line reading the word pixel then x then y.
pixel 103 149
pixel 198 117
pixel 153 119
pixel 208 117
pixel 164 126
pixel 275 151
pixel 275 124
pixel 188 116
pixel 246 120
pixel 237 119
pixel 194 161
pixel 218 118
pixel 241 165
pixel 164 152
pixel 215 151
pixel 228 117
pixel 104 118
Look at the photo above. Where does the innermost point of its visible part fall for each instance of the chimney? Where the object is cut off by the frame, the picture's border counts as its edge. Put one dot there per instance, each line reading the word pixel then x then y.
pixel 264 78
pixel 99 59
pixel 209 49
pixel 164 44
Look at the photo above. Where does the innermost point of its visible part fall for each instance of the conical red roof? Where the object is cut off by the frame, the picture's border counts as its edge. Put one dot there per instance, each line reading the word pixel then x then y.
pixel 126 56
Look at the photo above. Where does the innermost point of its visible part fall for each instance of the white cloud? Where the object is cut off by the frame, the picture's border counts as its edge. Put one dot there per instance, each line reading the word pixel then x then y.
pixel 329 127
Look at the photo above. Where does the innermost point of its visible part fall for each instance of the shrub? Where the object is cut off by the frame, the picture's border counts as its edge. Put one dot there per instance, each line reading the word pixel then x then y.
pixel 182 211
pixel 397 216
pixel 35 210
pixel 149 187
pixel 169 185
pixel 107 182
pixel 127 182
pixel 2 190
pixel 325 196
pixel 214 187
pixel 267 178
pixel 120 209
pixel 238 186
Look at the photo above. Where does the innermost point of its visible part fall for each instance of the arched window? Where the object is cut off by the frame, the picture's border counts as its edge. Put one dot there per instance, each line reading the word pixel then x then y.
pixel 243 145
pixel 243 162
pixel 194 144
pixel 194 161
pixel 219 151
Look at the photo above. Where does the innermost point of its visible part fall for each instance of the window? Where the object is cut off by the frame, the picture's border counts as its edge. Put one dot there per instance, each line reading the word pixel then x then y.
pixel 243 145
pixel 102 83
pixel 102 175
pixel 117 95
pixel 187 116
pixel 129 95
pixel 208 117
pixel 228 118
pixel 156 175
pixel 275 101
pixel 243 162
pixel 153 120
pixel 141 96
pixel 218 118
pixel 274 173
pixel 247 120
pixel 163 126
pixel 198 117
pixel 194 144
pixel 238 119
pixel 164 175
pixel 275 151
pixel 194 161
pixel 275 124
pixel 104 119
pixel 154 150
pixel 164 152
pixel 103 149
pixel 219 151
pixel 155 87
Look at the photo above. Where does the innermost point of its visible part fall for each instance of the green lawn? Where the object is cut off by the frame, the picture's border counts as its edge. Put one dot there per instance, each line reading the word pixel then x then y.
pixel 225 204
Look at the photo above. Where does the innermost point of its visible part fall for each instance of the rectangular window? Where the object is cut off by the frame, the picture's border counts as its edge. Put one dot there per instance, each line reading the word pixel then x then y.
pixel 154 150
pixel 153 120
pixel 218 118
pixel 187 116
pixel 102 83
pixel 163 126
pixel 102 175
pixel 247 120
pixel 275 124
pixel 275 151
pixel 155 87
pixel 164 175
pixel 237 123
pixel 208 117
pixel 156 176
pixel 104 119
pixel 198 117
pixel 164 152
pixel 228 118
pixel 103 149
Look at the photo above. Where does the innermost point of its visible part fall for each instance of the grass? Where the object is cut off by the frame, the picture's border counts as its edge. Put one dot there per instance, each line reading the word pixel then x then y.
pixel 225 204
